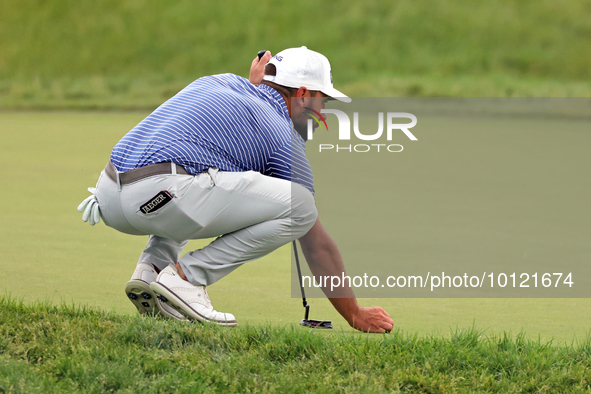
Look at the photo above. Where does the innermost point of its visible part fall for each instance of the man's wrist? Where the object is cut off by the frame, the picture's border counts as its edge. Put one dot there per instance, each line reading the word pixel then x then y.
pixel 348 308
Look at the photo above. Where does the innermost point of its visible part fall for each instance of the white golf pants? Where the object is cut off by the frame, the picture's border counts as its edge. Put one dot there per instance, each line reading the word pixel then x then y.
pixel 250 213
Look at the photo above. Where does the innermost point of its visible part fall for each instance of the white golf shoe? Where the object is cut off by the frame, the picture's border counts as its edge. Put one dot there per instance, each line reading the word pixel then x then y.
pixel 139 293
pixel 192 301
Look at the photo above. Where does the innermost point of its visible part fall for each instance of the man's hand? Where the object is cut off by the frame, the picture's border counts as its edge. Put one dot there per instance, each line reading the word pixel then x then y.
pixel 373 319
pixel 324 258
pixel 257 68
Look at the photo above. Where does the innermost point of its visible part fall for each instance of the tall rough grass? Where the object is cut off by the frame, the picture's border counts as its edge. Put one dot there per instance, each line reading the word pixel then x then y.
pixel 50 349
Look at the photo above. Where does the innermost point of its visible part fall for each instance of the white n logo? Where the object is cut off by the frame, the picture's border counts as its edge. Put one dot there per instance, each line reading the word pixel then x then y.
pixel 345 125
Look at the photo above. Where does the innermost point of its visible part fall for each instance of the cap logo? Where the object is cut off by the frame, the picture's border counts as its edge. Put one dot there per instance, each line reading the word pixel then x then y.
pixel 279 58
pixel 331 77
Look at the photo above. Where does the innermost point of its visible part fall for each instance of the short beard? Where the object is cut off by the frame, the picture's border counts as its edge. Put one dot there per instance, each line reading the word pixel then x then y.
pixel 301 128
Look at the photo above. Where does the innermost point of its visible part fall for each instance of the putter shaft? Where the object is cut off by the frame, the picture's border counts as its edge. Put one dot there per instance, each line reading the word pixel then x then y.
pixel 307 322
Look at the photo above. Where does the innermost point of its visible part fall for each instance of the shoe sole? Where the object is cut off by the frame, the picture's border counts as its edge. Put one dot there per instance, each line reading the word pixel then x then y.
pixel 164 294
pixel 141 296
pixel 165 313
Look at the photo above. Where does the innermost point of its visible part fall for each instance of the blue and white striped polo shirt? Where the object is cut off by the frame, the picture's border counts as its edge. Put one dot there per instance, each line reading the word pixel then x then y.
pixel 220 121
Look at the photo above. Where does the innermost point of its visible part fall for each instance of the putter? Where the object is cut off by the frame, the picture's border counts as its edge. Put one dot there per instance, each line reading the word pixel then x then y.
pixel 323 324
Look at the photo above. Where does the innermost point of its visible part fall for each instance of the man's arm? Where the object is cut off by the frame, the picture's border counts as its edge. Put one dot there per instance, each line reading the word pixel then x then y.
pixel 324 258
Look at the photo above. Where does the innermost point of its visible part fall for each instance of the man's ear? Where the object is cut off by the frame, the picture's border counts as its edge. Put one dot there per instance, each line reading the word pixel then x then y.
pixel 301 92
pixel 299 95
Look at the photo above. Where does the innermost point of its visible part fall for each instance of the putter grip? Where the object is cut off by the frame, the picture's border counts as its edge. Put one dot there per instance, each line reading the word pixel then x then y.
pixel 261 54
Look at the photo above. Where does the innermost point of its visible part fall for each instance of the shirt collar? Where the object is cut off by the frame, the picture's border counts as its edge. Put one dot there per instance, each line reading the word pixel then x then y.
pixel 277 97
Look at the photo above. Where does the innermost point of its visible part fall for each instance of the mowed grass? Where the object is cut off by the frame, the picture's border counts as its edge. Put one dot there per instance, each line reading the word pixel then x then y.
pixel 48 254
pixel 50 349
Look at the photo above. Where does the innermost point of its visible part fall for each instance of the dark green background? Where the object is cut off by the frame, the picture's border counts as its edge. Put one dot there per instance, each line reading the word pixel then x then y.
pixel 135 54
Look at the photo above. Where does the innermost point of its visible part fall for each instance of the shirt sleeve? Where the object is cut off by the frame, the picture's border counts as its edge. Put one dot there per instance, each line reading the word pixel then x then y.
pixel 289 162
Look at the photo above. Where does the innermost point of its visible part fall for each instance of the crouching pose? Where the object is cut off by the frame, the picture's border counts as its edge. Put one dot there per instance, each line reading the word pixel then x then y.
pixel 223 158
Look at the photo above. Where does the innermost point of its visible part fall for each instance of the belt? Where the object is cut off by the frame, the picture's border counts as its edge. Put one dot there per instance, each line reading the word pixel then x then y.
pixel 142 172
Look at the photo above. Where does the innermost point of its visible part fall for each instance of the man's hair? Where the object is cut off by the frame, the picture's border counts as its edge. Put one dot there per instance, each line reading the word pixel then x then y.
pixel 270 69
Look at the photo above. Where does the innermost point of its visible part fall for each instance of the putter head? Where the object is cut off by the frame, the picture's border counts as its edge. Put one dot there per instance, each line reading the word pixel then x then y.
pixel 322 324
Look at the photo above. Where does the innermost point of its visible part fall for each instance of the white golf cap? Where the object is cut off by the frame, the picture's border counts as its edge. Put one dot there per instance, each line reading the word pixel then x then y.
pixel 297 67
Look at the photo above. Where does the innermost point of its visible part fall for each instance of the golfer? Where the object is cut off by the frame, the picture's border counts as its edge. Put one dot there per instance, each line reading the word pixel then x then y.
pixel 223 158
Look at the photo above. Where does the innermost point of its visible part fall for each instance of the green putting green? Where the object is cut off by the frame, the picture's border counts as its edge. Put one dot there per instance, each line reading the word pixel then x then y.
pixel 47 253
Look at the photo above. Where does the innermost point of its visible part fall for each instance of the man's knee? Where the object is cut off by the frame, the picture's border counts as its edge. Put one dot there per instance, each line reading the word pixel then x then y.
pixel 303 213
